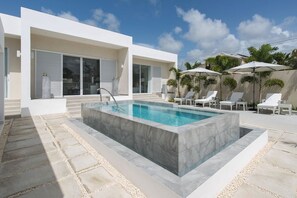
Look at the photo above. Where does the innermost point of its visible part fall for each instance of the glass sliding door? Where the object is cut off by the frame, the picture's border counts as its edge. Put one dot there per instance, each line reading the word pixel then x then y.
pixel 71 75
pixel 141 78
pixel 144 79
pixel 91 76
pixel 5 72
pixel 136 77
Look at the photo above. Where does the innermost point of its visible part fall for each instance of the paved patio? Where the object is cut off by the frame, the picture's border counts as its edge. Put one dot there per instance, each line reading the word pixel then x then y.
pixel 43 157
pixel 273 172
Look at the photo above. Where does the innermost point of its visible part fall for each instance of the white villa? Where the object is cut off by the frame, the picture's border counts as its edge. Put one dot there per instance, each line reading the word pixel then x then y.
pixel 76 58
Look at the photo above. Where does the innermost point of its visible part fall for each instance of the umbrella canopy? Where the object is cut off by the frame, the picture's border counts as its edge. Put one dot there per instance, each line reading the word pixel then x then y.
pixel 201 71
pixel 255 66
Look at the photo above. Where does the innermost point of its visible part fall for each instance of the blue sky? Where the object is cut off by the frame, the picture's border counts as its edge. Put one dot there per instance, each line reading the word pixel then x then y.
pixel 194 29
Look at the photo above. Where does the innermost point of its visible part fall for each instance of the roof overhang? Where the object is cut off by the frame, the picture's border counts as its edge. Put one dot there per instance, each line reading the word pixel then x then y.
pixel 56 35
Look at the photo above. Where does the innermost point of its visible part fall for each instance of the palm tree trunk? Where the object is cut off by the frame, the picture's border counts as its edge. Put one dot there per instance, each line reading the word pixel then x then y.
pixel 260 88
pixel 221 94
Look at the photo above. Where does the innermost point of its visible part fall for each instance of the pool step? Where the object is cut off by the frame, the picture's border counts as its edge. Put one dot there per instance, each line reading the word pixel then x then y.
pixel 148 97
pixel 12 107
pixel 73 103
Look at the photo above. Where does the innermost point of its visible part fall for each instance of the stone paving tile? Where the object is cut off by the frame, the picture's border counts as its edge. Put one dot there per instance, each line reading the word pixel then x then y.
pixel 54 116
pixel 10 168
pixel 27 152
pixel 67 188
pixel 282 159
pixel 25 136
pixel 28 131
pixel 67 142
pixel 46 138
pixel 112 191
pixel 63 135
pixel 23 127
pixel 286 145
pixel 274 135
pixel 95 179
pixel 74 150
pixel 83 162
pixel 275 180
pixel 59 130
pixel 247 191
pixel 56 127
pixel 31 178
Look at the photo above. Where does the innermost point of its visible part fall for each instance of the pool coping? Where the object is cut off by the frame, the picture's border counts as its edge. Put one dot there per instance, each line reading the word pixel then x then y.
pixel 207 180
pixel 173 129
pixel 178 149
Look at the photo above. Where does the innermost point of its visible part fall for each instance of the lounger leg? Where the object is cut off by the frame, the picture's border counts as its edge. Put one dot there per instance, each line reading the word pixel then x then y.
pixel 220 106
pixel 258 110
pixel 231 107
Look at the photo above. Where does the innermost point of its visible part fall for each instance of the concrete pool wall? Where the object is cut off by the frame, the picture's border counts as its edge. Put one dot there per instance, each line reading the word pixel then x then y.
pixel 177 149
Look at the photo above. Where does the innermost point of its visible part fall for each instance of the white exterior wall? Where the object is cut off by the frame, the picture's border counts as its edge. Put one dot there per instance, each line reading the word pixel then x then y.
pixel 123 71
pixel 14 68
pixel 36 22
pixel 42 31
pixel 11 25
pixel 1 73
pixel 152 54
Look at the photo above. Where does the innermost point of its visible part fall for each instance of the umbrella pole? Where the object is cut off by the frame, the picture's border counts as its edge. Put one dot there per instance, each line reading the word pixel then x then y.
pixel 254 88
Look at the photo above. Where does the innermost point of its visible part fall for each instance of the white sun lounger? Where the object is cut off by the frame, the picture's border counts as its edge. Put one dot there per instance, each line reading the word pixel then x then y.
pixel 235 97
pixel 271 102
pixel 189 95
pixel 210 97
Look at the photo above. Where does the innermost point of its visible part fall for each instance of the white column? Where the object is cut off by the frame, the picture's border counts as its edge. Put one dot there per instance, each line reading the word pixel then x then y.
pixel 1 72
pixel 25 66
pixel 130 72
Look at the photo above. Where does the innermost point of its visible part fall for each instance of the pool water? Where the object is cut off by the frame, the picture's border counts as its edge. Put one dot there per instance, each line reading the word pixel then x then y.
pixel 171 116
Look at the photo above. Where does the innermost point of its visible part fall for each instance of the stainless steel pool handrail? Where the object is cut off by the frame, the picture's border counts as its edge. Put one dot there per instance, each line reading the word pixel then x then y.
pixel 109 94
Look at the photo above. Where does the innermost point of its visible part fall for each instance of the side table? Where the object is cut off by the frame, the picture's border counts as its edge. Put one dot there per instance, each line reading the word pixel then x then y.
pixel 285 105
pixel 244 105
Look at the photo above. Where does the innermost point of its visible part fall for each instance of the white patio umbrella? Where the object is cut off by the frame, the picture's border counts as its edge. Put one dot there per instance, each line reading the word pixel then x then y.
pixel 253 67
pixel 200 71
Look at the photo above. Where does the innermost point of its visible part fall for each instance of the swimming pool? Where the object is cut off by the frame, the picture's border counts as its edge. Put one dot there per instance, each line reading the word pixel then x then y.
pixel 167 115
pixel 176 138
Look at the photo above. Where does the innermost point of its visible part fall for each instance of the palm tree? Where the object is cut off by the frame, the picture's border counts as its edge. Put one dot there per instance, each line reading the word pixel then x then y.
pixel 221 63
pixel 175 82
pixel 267 54
pixel 190 81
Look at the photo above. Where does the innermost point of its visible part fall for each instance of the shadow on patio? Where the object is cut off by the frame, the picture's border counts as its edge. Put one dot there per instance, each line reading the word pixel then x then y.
pixel 31 164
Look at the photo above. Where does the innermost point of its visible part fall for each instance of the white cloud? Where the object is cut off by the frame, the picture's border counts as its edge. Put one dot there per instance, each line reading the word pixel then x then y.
pixel 177 30
pixel 203 31
pixel 212 36
pixel 195 55
pixel 260 30
pixel 258 27
pixel 111 22
pixel 98 18
pixel 98 14
pixel 68 15
pixel 153 2
pixel 146 45
pixel 90 22
pixel 46 10
pixel 168 43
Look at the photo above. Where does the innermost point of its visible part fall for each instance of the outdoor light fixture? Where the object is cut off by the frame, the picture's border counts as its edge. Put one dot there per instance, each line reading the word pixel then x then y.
pixel 18 53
